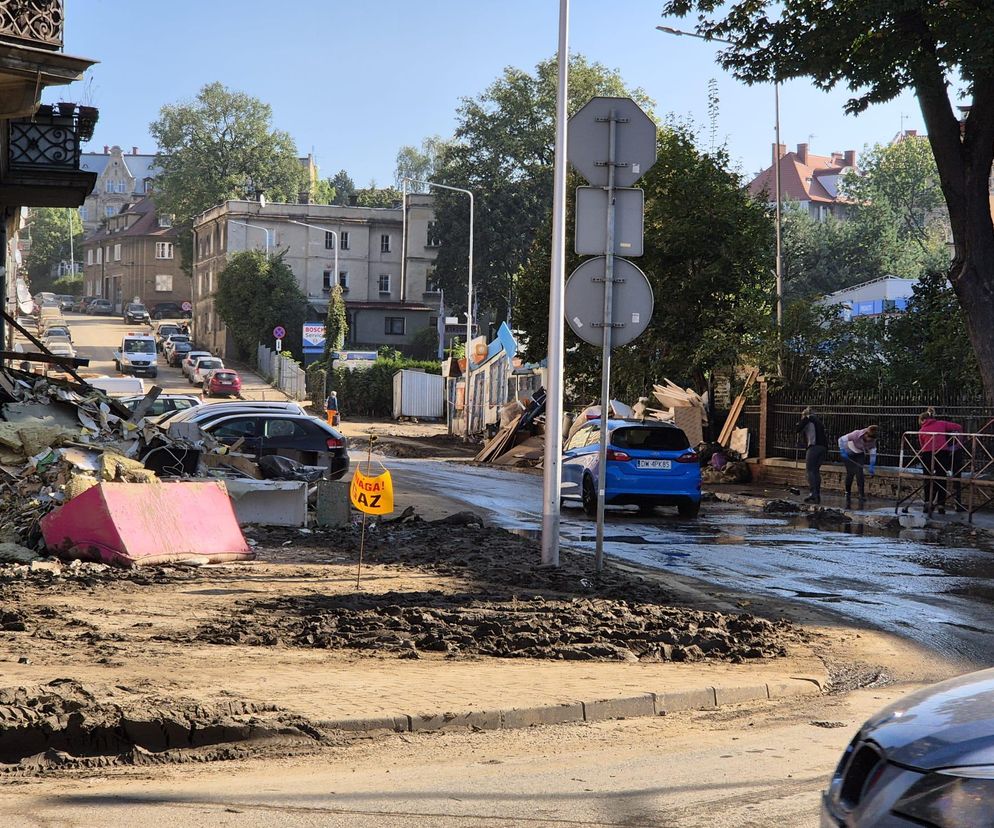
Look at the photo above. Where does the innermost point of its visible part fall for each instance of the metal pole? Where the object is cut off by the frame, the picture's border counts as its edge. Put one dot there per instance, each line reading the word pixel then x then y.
pixel 469 320
pixel 552 466
pixel 72 255
pixel 779 195
pixel 606 343
pixel 403 239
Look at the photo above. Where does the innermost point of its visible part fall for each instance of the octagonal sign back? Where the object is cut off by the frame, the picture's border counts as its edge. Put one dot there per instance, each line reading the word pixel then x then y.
pixel 635 141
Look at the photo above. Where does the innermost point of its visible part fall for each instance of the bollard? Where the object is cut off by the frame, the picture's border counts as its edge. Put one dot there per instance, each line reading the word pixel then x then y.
pixel 333 507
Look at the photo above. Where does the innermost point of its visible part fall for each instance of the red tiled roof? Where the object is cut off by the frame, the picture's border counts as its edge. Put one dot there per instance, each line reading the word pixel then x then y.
pixel 799 181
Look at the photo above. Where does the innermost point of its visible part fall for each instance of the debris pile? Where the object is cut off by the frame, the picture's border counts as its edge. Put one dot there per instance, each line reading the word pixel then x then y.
pixel 520 440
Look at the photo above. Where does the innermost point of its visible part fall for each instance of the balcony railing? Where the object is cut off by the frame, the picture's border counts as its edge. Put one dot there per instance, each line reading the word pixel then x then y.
pixel 34 22
pixel 37 144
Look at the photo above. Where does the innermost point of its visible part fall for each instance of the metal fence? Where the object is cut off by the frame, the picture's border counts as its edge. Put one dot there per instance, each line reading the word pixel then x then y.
pixel 284 374
pixel 894 412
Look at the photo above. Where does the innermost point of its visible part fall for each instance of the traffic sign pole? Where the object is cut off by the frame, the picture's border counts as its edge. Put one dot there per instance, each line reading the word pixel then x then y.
pixel 606 331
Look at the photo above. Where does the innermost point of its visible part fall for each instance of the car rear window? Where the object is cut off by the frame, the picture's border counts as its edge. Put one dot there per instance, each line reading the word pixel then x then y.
pixel 651 439
pixel 225 376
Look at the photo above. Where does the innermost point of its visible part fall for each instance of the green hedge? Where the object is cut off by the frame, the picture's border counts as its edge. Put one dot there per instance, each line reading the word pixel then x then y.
pixel 368 392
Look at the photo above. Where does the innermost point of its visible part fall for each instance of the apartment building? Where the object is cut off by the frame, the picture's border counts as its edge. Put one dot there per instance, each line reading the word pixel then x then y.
pixel 387 303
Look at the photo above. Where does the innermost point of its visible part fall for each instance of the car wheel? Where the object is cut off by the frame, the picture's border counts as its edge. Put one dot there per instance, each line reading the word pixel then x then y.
pixel 689 508
pixel 589 496
pixel 155 374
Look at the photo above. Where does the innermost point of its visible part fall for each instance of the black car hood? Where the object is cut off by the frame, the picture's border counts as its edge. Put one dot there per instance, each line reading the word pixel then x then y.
pixel 946 725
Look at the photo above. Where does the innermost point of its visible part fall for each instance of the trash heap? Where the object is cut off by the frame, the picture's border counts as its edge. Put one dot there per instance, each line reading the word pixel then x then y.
pixel 58 440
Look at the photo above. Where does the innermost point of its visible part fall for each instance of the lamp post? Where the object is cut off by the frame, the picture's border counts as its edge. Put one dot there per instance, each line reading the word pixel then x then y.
pixel 776 166
pixel 334 234
pixel 257 227
pixel 403 268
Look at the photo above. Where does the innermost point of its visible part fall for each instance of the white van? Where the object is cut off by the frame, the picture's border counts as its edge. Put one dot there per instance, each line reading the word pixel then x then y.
pixel 137 355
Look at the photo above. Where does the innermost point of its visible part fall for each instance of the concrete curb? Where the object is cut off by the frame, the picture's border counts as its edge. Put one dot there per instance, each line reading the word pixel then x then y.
pixel 622 707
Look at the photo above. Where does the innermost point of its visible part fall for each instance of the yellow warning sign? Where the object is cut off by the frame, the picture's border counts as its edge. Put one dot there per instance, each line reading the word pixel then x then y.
pixel 372 495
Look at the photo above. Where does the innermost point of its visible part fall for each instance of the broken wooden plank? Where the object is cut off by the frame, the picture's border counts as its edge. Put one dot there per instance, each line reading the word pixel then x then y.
pixel 32 356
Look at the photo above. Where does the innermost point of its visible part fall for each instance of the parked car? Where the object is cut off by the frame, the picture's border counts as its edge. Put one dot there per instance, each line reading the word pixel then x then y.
pixel 62 348
pixel 100 307
pixel 169 310
pixel 136 314
pixel 202 367
pixel 163 403
pixel 176 354
pixel 81 304
pixel 649 465
pixel 65 301
pixel 299 437
pixel 190 360
pixel 49 341
pixel 169 341
pixel 223 409
pixel 58 330
pixel 163 331
pixel 927 759
pixel 27 322
pixel 222 382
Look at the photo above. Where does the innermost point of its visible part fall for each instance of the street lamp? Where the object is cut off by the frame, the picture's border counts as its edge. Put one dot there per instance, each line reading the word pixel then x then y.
pixel 776 165
pixel 257 227
pixel 403 267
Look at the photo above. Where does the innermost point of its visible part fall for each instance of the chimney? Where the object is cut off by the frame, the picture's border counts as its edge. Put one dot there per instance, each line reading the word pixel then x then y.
pixel 778 155
pixel 911 133
pixel 850 158
pixel 134 150
pixel 106 149
pixel 802 153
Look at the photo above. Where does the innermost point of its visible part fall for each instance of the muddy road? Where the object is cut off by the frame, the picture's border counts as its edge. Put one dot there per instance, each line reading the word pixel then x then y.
pixel 934 589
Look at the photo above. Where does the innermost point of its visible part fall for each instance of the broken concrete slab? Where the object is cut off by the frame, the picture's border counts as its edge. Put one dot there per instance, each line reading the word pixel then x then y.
pixel 268 502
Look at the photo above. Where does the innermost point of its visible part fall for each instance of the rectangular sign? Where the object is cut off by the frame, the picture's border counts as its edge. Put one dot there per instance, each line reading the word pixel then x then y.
pixel 591 221
pixel 313 336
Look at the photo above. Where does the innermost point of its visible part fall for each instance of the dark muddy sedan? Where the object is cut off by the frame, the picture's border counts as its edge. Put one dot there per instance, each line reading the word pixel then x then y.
pixel 926 760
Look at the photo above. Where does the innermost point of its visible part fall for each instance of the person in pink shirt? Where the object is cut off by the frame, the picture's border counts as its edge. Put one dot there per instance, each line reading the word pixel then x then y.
pixel 942 454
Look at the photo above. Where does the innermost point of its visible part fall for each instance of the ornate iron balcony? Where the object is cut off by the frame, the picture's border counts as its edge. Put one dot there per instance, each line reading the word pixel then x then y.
pixel 36 144
pixel 34 22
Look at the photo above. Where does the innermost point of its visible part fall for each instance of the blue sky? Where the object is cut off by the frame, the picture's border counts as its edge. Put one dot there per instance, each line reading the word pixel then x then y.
pixel 354 81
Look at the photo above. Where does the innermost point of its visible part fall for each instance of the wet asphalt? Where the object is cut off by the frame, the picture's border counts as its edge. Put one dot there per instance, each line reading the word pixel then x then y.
pixel 935 590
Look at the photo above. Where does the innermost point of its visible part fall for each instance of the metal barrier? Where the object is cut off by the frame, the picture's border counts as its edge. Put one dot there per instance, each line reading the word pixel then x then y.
pixel 283 373
pixel 964 463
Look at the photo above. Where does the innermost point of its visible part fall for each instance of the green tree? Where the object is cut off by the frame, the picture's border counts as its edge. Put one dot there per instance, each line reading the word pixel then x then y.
pixel 336 325
pixel 220 146
pixel 373 196
pixel 323 192
pixel 708 249
pixel 69 285
pixel 937 49
pixel 503 151
pixel 344 188
pixel 50 229
pixel 419 164
pixel 256 294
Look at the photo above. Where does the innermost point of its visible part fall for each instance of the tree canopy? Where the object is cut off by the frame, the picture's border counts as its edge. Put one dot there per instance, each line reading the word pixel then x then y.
pixel 503 151
pixel 336 325
pixel 418 164
pixel 254 295
pixel 937 48
pixel 220 146
pixel 50 229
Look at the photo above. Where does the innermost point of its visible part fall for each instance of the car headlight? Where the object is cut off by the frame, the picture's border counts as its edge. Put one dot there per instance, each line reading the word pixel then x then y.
pixel 951 798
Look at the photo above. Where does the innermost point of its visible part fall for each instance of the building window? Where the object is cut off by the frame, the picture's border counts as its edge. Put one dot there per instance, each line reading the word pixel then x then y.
pixel 385 243
pixel 109 186
pixel 385 283
pixel 326 280
pixel 433 238
pixel 393 325
pixel 163 282
pixel 110 210
pixel 107 253
pixel 89 256
pixel 329 240
pixel 431 281
pixel 163 250
pixel 100 255
pixel 117 252
pixel 121 187
pixel 82 214
pixel 343 280
pixel 345 240
pixel 165 220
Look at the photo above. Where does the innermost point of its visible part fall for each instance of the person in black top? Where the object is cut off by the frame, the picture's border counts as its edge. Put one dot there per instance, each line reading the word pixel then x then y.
pixel 813 433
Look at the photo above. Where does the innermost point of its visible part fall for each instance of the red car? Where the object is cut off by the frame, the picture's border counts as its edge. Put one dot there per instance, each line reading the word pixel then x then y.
pixel 222 382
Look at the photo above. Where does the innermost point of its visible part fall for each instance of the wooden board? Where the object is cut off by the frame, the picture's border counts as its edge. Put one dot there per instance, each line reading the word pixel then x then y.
pixel 733 416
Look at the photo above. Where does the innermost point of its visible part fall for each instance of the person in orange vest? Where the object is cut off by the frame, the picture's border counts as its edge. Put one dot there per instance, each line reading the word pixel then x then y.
pixel 331 409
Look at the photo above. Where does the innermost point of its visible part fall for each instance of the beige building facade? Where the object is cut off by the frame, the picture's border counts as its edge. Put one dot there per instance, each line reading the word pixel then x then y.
pixel 387 304
pixel 122 179
pixel 135 255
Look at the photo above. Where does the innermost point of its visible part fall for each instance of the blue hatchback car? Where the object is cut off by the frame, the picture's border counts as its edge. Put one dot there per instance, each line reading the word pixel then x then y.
pixel 648 465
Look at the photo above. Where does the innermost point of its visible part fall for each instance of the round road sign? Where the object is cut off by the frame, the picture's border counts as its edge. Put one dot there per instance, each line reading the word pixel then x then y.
pixel 631 301
pixel 186 306
pixel 279 332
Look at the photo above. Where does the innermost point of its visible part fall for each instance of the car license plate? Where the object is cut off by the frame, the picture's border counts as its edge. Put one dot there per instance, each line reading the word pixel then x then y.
pixel 654 464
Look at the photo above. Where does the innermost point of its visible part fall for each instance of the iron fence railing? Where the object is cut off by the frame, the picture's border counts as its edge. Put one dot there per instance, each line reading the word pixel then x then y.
pixel 894 413
pixel 36 144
